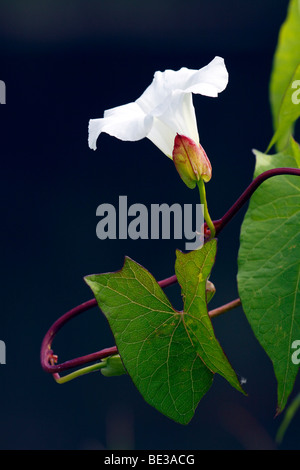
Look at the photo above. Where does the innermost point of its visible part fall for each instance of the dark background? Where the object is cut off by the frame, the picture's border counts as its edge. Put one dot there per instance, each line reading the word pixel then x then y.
pixel 64 63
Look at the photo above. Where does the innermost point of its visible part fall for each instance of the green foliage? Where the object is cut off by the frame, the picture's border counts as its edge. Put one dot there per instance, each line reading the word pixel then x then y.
pixel 269 268
pixel 289 112
pixel 284 72
pixel 170 355
pixel 269 258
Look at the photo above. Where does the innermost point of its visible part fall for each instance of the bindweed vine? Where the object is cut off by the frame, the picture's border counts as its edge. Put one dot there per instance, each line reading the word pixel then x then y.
pixel 49 359
pixel 172 356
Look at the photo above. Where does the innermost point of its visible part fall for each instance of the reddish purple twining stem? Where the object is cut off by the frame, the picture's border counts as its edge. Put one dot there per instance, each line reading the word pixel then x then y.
pixel 46 351
pixel 245 196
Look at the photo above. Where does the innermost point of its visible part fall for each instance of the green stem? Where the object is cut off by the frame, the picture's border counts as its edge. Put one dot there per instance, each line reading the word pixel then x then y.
pixel 207 218
pixel 290 412
pixel 78 373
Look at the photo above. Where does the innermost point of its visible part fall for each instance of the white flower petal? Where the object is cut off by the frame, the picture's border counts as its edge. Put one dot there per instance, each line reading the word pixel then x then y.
pixel 127 122
pixel 175 115
pixel 209 81
pixel 155 94
pixel 164 109
pixel 162 136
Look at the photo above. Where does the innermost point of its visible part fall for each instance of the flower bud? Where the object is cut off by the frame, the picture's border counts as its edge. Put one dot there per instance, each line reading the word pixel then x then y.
pixel 190 161
pixel 113 366
pixel 210 290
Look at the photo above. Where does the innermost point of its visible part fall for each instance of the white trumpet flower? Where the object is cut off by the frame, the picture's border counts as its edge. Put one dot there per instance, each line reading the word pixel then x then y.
pixel 165 109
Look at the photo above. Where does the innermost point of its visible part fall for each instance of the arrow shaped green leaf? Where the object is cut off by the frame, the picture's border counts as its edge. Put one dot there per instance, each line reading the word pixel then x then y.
pixel 269 268
pixel 197 322
pixel 284 74
pixel 170 355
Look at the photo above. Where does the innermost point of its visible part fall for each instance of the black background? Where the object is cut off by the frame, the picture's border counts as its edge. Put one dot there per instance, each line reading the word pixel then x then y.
pixel 63 63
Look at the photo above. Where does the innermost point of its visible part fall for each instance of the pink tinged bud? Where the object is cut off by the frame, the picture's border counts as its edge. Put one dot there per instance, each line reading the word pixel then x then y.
pixel 191 161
